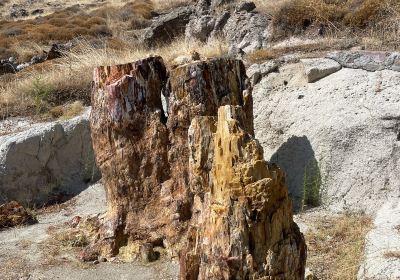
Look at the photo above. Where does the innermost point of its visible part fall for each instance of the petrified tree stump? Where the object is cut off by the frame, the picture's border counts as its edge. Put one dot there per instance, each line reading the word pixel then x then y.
pixel 190 178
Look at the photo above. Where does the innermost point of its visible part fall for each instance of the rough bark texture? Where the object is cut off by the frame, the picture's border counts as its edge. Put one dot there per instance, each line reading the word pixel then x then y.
pixel 191 179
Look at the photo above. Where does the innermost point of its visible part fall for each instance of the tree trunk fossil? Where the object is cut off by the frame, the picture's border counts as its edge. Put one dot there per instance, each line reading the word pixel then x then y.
pixel 190 177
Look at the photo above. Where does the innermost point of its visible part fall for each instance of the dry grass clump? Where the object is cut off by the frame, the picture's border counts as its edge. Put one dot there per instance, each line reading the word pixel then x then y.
pixel 56 83
pixel 162 5
pixel 377 18
pixel 335 246
pixel 392 255
pixel 261 55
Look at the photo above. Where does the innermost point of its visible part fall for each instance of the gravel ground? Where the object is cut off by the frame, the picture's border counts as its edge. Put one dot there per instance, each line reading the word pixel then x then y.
pixel 22 256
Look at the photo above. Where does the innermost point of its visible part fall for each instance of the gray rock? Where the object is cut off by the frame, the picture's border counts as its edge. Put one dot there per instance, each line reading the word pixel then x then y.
pixel 318 68
pixel 7 68
pixel 37 12
pixel 39 165
pixel 338 137
pixel 246 7
pixel 23 66
pixel 367 60
pixel 248 31
pixel 200 28
pixel 258 71
pixel 17 12
pixel 166 27
pixel 383 239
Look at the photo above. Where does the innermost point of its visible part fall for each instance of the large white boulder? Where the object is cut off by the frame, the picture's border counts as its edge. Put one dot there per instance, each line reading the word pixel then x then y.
pixel 47 162
pixel 340 135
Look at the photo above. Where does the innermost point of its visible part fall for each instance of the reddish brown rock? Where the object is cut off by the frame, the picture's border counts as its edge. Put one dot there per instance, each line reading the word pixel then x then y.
pixel 12 214
pixel 191 179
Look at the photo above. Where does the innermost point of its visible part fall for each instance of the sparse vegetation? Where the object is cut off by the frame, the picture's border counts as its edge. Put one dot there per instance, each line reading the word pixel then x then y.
pixel 70 78
pixel 40 93
pixel 392 255
pixel 376 21
pixel 336 244
pixel 312 185
pixel 261 55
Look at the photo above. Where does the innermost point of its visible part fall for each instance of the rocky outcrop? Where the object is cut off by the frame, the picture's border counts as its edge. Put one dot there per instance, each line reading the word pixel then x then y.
pixel 47 162
pixel 12 214
pixel 190 177
pixel 367 60
pixel 337 138
pixel 167 27
pixel 244 29
pixel 258 71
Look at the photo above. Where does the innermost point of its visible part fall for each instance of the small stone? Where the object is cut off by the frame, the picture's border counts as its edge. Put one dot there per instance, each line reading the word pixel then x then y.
pixel 96 262
pixel 102 259
pixel 318 68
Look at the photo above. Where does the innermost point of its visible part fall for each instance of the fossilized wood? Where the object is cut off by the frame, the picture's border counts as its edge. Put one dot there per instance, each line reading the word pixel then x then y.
pixel 244 227
pixel 192 178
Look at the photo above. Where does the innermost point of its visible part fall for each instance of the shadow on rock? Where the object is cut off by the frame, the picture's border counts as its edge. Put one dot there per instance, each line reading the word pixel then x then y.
pixel 296 157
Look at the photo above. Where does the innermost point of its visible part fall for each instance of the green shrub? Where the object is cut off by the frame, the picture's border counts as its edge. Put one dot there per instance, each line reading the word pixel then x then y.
pixel 40 93
pixel 312 185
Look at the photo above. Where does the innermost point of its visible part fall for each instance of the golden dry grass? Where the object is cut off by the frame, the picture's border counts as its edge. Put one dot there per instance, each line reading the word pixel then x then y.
pixel 69 79
pixel 376 19
pixel 336 245
pixel 392 255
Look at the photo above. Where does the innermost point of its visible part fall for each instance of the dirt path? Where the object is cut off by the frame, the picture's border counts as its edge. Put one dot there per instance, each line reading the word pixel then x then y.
pixel 22 254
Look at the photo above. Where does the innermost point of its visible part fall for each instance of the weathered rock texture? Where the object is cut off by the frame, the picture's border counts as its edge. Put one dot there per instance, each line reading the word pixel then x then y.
pixel 368 60
pixel 243 29
pixel 47 162
pixel 195 181
pixel 166 27
pixel 337 139
pixel 318 68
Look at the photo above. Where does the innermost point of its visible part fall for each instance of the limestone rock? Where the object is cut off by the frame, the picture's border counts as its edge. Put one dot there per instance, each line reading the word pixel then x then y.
pixel 337 138
pixel 47 162
pixel 318 68
pixel 13 214
pixel 367 60
pixel 258 71
pixel 170 176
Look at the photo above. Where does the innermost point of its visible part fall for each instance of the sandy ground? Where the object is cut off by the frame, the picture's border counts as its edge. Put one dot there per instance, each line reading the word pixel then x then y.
pixel 22 256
